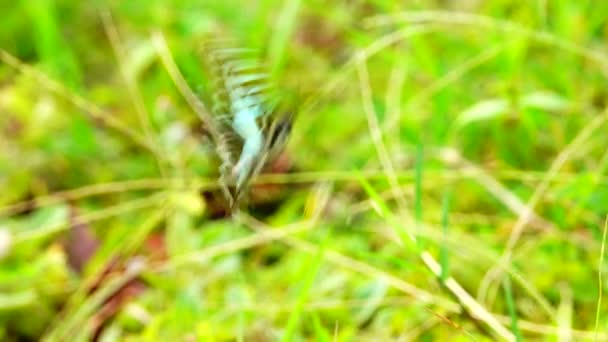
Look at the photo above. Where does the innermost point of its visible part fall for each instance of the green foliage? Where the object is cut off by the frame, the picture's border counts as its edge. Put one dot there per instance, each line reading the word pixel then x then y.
pixel 431 127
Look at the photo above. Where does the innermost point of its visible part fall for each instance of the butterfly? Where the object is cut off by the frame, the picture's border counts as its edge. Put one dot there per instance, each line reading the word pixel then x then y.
pixel 252 130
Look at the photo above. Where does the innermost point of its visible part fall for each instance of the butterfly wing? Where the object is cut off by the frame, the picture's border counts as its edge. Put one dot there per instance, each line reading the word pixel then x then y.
pixel 244 108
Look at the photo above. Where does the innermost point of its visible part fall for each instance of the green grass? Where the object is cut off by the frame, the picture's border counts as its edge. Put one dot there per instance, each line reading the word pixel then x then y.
pixel 446 173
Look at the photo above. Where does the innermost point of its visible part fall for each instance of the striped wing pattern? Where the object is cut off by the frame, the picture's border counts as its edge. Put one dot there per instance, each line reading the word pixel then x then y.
pixel 251 130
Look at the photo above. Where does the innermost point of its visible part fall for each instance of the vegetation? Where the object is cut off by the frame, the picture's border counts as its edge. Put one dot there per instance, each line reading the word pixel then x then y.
pixel 445 178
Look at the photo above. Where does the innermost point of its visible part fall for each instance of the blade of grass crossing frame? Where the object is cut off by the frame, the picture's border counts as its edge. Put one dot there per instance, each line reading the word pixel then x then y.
pixel 282 34
pixel 382 209
pixel 320 333
pixel 453 286
pixel 443 252
pixel 310 271
pixel 511 308
pixel 599 278
pixel 418 185
pixel 51 47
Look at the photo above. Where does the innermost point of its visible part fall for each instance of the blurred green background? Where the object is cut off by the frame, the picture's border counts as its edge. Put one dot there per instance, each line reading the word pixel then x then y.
pixel 445 178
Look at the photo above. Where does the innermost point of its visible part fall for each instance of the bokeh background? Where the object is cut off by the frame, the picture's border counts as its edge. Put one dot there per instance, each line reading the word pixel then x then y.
pixel 445 178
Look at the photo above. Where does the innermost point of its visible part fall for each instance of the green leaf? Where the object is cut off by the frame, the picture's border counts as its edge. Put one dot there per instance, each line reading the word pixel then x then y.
pixel 483 111
pixel 545 100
